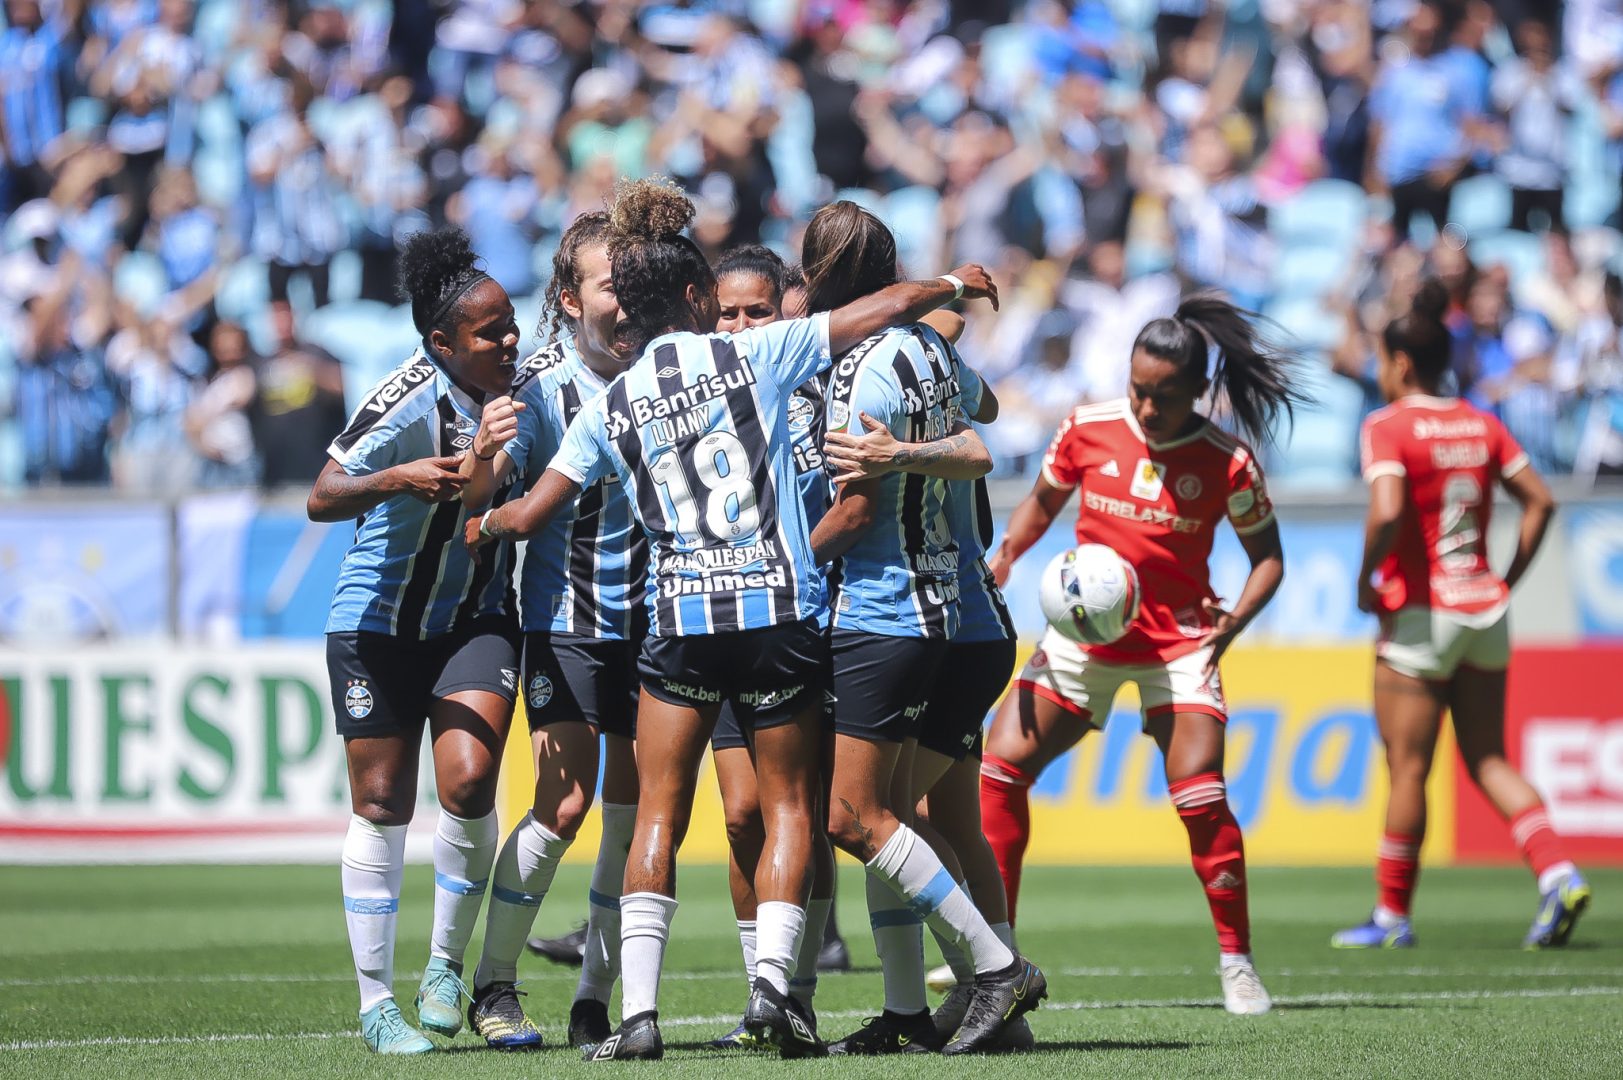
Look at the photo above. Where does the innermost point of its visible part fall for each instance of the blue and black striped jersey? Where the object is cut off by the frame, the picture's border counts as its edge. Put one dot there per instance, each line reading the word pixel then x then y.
pixel 900 578
pixel 982 614
pixel 408 573
pixel 698 429
pixel 587 572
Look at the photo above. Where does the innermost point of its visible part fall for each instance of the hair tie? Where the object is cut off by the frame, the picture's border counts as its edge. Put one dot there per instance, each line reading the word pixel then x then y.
pixel 479 276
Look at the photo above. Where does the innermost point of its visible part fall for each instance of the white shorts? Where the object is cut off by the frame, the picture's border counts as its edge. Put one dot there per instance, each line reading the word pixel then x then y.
pixel 1433 643
pixel 1062 673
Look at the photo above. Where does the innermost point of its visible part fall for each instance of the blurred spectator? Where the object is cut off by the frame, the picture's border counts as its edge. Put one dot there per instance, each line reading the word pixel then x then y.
pixel 377 161
pixel 297 229
pixel 1537 100
pixel 65 401
pixel 1109 311
pixel 498 208
pixel 157 369
pixel 297 406
pixel 217 422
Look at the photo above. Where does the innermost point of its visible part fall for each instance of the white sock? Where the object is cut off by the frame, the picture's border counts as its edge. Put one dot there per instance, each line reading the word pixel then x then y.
pixel 1555 875
pixel 898 938
pixel 963 968
pixel 1386 918
pixel 600 967
pixel 464 848
pixel 373 860
pixel 1004 933
pixel 748 938
pixel 645 926
pixel 779 927
pixel 803 980
pixel 1234 959
pixel 916 872
pixel 524 872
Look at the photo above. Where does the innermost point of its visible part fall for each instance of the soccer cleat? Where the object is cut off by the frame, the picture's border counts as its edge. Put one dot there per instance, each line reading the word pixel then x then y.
pixel 569 950
pixel 890 1033
pixel 738 1039
pixel 834 956
pixel 774 1019
pixel 1000 997
pixel 1558 912
pixel 496 1015
pixel 439 998
pixel 940 980
pixel 1372 935
pixel 1017 1038
pixel 949 1015
pixel 637 1039
pixel 386 1031
pixel 1243 992
pixel 588 1023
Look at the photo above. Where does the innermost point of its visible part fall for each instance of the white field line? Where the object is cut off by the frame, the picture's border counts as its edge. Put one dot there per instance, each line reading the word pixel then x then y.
pixel 559 974
pixel 849 1014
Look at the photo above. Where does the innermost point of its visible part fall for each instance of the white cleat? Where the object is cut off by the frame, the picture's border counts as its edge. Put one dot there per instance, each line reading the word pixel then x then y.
pixel 1243 992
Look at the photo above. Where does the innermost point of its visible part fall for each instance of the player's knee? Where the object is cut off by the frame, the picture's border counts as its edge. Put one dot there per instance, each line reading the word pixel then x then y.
pixel 851 832
pixel 569 815
pixel 746 830
pixel 468 796
pixel 1408 764
pixel 381 808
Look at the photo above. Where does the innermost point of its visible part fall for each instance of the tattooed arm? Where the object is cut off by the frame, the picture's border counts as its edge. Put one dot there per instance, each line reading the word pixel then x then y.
pixel 959 455
pixel 338 496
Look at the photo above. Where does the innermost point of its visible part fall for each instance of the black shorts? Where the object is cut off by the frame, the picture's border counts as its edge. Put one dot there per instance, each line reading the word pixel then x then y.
pixel 729 736
pixel 766 675
pixel 383 684
pixel 574 677
pixel 881 683
pixel 972 677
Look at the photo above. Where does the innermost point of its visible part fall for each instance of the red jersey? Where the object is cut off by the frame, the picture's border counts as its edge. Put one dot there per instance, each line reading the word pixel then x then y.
pixel 1158 505
pixel 1450 454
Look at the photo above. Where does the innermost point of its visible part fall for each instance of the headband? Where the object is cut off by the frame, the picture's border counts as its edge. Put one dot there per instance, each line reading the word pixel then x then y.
pixel 479 276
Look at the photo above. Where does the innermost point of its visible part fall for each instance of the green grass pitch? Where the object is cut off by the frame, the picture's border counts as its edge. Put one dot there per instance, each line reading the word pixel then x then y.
pixel 244 972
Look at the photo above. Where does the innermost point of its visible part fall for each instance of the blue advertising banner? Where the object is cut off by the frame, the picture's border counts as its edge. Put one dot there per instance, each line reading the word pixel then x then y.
pixel 85 574
pixel 1595 561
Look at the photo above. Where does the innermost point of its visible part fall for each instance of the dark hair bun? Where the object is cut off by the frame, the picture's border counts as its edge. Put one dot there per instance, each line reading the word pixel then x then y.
pixel 1430 300
pixel 651 209
pixel 432 261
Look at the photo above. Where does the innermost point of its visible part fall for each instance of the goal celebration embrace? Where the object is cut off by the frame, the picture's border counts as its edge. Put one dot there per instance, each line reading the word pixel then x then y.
pixel 755 518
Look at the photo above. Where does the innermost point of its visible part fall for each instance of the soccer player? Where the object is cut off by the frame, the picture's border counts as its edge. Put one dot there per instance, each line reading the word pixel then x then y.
pixel 698 429
pixel 420 631
pixel 1157 478
pixel 583 616
pixel 1432 462
pixel 895 605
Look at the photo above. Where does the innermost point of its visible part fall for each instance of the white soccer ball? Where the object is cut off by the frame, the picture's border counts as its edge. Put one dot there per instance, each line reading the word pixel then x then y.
pixel 1090 594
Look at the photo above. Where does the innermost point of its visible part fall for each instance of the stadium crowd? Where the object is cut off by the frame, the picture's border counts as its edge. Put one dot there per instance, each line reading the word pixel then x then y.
pixel 204 200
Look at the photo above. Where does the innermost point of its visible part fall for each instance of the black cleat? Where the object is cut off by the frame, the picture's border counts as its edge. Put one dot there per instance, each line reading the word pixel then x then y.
pixel 1016 1038
pixel 637 1039
pixel 569 950
pixel 780 1021
pixel 890 1033
pixel 1000 998
pixel 496 1014
pixel 588 1023
pixel 834 956
pixel 949 1015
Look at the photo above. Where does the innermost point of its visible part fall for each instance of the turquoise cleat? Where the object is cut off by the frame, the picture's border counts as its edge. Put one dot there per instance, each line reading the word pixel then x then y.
pixel 439 998
pixel 1558 912
pixel 386 1031
pixel 1372 935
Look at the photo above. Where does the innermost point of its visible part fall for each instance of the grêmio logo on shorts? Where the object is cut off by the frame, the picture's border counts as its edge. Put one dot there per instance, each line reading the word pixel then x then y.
pixel 766 699
pixel 691 693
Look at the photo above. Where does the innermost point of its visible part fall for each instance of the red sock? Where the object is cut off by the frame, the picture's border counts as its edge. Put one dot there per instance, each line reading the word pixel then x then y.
pixel 1006 820
pixel 1397 871
pixel 1218 853
pixel 1540 845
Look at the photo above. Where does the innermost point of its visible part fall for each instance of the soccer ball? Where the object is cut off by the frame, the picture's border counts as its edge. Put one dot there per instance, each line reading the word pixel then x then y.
pixel 1090 594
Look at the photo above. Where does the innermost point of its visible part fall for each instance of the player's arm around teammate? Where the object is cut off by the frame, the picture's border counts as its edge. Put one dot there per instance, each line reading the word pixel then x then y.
pixel 1432 463
pixel 581 603
pixel 418 632
pixel 1157 478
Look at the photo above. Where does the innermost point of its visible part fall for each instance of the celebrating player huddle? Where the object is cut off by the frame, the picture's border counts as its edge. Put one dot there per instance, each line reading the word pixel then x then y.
pixel 765 536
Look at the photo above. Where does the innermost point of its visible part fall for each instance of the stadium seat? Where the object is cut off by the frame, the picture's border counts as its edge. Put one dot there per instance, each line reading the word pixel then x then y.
pixel 217 124
pixel 913 214
pixel 1307 322
pixel 84 114
pixel 140 281
pixel 366 336
pixel 1326 213
pixel 1520 253
pixel 1319 451
pixel 244 289
pixel 1309 270
pixel 1480 204
pixel 219 175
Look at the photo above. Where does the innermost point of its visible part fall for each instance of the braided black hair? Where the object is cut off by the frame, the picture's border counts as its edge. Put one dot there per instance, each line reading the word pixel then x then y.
pixel 583 232
pixel 437 269
pixel 651 262
pixel 1255 375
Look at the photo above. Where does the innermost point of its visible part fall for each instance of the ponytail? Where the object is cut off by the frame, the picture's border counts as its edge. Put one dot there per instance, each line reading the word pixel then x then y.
pixel 1421 335
pixel 1255 375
